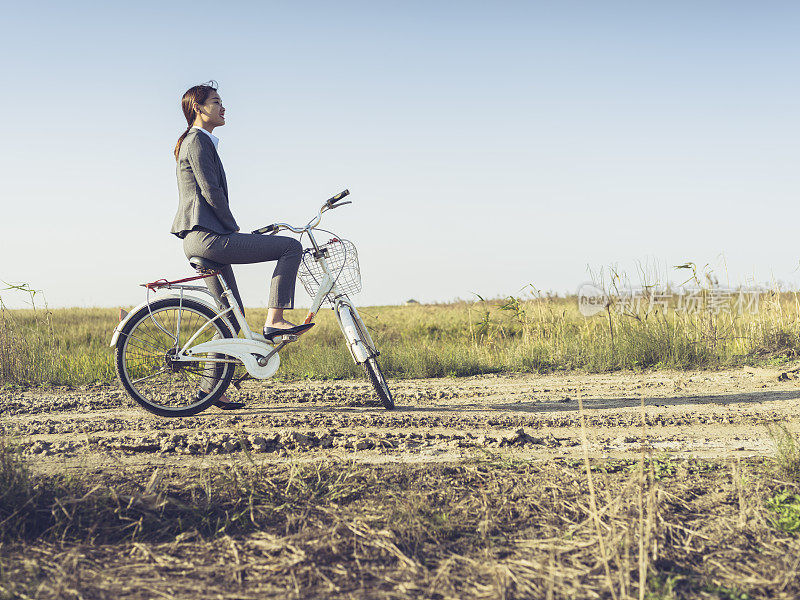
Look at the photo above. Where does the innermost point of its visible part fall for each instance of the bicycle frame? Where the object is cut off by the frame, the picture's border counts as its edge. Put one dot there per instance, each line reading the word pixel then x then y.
pixel 259 357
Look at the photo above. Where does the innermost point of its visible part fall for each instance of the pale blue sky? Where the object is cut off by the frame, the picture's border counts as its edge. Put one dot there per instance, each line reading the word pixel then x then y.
pixel 486 145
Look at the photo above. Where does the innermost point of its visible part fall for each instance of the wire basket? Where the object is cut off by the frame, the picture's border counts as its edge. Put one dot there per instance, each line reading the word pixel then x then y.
pixel 342 260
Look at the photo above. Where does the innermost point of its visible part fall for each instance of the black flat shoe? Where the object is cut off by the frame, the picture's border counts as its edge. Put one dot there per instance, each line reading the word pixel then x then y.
pixel 220 403
pixel 228 405
pixel 271 332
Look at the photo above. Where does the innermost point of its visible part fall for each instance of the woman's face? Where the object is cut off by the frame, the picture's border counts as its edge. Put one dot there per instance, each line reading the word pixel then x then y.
pixel 212 113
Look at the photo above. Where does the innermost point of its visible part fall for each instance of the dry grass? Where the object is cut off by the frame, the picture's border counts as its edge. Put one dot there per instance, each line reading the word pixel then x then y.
pixel 787 451
pixel 493 528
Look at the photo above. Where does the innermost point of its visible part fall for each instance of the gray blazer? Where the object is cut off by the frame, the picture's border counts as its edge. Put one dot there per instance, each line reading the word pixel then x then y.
pixel 202 188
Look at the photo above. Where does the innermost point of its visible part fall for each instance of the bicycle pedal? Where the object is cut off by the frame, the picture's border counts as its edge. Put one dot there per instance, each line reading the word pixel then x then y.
pixel 290 337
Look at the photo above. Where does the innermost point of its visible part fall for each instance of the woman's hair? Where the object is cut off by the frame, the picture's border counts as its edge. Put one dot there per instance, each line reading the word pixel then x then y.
pixel 194 95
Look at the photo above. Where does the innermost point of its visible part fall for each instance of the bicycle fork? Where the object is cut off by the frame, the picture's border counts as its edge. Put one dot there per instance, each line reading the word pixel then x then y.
pixel 358 339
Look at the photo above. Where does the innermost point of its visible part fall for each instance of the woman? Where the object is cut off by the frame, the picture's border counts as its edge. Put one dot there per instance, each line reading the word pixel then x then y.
pixel 205 223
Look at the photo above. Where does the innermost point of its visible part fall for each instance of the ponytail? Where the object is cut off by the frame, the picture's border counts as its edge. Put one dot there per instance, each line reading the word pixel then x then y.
pixel 180 141
pixel 193 96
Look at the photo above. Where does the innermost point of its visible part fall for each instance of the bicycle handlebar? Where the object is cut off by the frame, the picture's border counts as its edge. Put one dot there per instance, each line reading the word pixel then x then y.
pixel 329 204
pixel 331 201
pixel 266 229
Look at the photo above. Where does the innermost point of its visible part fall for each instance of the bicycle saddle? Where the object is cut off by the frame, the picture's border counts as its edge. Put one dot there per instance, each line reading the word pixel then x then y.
pixel 205 265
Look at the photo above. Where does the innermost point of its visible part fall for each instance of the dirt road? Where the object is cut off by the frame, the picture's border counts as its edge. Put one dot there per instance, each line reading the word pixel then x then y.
pixel 705 413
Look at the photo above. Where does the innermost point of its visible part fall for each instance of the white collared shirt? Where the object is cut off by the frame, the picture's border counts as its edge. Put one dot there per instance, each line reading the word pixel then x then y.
pixel 214 138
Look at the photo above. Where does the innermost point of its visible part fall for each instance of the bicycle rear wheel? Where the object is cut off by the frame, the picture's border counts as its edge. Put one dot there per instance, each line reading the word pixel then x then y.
pixel 144 352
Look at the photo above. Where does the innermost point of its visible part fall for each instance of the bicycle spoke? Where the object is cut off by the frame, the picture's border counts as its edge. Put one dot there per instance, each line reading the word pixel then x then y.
pixel 161 327
pixel 149 376
pixel 145 343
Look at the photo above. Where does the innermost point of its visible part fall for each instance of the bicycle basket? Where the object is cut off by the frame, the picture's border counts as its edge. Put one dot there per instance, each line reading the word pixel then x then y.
pixel 342 260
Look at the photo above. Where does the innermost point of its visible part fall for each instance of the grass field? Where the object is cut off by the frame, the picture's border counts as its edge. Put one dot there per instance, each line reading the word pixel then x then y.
pixel 534 334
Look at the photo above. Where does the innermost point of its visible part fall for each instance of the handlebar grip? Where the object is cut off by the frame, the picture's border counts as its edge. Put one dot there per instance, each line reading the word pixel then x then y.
pixel 337 197
pixel 266 229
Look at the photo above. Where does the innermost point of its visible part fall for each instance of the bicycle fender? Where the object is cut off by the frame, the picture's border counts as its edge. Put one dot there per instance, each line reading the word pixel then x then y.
pixel 244 350
pixel 354 343
pixel 364 335
pixel 136 309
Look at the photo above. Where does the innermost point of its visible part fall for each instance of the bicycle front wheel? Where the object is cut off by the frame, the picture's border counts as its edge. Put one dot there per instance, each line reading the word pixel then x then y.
pixel 375 376
pixel 144 358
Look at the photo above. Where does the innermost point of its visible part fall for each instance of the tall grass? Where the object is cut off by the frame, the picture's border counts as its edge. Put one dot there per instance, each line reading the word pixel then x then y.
pixel 535 333
pixel 61 347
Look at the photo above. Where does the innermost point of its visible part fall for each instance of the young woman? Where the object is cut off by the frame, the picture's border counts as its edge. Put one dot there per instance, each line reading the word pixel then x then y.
pixel 205 223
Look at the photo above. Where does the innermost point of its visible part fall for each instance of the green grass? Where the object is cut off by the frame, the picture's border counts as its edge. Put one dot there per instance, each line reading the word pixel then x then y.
pixel 785 507
pixel 540 334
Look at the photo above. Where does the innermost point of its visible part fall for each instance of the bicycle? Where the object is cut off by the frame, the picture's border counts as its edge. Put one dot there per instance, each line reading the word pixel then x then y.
pixel 166 349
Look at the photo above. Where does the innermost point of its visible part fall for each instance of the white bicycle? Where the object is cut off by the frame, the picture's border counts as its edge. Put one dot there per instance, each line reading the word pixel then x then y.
pixel 177 354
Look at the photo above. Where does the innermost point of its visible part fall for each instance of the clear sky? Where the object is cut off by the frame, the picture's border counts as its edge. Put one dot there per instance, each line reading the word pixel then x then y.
pixel 487 145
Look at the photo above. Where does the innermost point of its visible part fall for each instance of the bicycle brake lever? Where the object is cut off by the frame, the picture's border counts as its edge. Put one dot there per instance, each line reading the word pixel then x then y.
pixel 338 204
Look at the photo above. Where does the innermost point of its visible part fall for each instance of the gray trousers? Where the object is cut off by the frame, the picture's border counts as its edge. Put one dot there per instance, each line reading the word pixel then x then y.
pixel 245 248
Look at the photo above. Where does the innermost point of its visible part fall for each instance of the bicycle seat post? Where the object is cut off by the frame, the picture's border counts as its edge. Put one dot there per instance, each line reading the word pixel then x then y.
pixel 238 312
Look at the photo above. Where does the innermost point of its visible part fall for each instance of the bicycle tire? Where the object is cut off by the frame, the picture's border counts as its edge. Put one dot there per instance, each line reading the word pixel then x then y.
pixel 378 381
pixel 144 368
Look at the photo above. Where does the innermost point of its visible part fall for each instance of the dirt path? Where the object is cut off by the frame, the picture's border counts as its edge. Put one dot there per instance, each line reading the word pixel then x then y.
pixel 702 413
